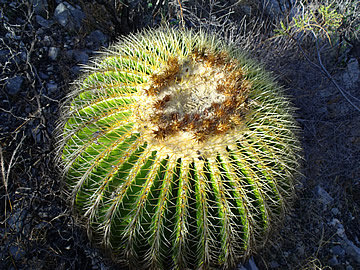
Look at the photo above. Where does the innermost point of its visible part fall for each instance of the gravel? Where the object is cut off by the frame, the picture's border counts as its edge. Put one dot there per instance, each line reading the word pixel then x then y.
pixel 46 24
pixel 68 16
pixel 40 7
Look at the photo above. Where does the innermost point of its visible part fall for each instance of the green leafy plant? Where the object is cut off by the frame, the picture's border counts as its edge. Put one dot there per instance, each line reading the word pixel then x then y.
pixel 322 31
pixel 179 152
pixel 321 21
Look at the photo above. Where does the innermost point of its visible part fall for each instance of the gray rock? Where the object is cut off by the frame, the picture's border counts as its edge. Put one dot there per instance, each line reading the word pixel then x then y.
pixel 335 211
pixel 350 248
pixel 250 265
pixel 40 7
pixel 40 31
pixel 53 53
pixel 52 87
pixel 352 73
pixel 16 252
pixel 80 56
pixel 300 249
pixel 43 22
pixel 69 54
pixel 16 220
pixel 69 16
pixel 36 133
pixel 75 70
pixel 48 40
pixel 274 265
pixel 12 36
pixel 338 250
pixel 23 56
pixel 323 196
pixel 96 39
pixel 19 58
pixel 62 14
pixel 333 261
pixel 340 231
pixel 14 84
pixel 43 76
pixel 4 53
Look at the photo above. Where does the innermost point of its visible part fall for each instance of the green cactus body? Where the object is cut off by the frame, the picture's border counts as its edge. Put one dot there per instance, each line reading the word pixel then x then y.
pixel 179 152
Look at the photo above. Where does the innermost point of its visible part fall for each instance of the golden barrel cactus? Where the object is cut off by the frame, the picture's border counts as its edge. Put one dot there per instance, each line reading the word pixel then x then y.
pixel 178 151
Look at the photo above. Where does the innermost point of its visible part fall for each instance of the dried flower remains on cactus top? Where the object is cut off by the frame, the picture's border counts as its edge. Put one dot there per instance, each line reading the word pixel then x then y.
pixel 178 151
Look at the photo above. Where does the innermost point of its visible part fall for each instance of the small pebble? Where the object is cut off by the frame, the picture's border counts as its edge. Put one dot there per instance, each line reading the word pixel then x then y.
pixel 4 54
pixel 16 252
pixel 274 264
pixel 323 196
pixel 43 76
pixel 43 22
pixel 14 84
pixel 53 53
pixel 52 87
pixel 333 261
pixel 335 211
pixel 80 56
pixel 40 7
pixel 338 250
pixel 97 39
pixel 69 16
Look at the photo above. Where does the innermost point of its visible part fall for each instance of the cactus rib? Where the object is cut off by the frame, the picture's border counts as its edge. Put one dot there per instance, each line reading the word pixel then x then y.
pixel 179 152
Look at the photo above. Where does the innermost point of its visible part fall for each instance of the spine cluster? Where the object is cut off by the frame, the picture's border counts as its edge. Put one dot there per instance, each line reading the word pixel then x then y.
pixel 215 117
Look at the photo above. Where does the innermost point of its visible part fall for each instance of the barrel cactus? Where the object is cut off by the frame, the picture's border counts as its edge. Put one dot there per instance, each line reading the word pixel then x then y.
pixel 178 151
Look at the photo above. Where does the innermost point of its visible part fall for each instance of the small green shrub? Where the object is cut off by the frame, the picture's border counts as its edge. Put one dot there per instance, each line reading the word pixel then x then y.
pixel 179 152
pixel 322 21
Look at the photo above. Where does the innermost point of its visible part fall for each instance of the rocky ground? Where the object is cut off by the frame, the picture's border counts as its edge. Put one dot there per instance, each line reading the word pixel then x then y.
pixel 42 47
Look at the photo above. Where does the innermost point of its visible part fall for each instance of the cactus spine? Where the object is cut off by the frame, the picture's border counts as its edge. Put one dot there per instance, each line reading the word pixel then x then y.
pixel 178 151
